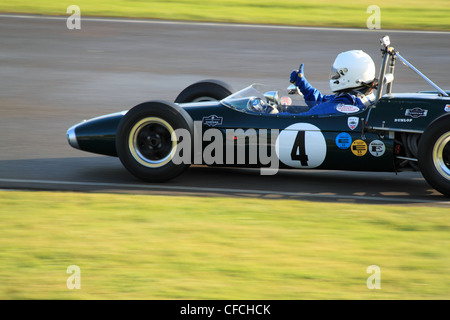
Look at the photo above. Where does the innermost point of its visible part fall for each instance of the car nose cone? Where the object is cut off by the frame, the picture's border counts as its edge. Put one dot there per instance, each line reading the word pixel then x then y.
pixel 72 137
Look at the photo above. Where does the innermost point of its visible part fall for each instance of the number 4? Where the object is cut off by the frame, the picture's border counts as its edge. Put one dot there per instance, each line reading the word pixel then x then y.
pixel 298 150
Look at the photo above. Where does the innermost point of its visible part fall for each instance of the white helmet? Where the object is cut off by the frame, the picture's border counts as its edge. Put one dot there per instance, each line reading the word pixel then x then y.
pixel 351 69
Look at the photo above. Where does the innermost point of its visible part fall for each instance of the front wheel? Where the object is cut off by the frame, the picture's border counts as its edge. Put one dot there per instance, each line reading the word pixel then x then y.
pixel 434 155
pixel 146 140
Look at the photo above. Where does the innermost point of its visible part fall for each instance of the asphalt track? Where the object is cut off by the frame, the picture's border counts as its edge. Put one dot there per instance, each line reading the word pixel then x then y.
pixel 53 77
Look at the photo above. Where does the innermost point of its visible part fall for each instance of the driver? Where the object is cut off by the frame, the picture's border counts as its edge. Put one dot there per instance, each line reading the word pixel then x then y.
pixel 352 81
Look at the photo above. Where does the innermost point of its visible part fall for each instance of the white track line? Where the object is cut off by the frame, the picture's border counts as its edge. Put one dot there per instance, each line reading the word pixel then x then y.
pixel 212 190
pixel 218 24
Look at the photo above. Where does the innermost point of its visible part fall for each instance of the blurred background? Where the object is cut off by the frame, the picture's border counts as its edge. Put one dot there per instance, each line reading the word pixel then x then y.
pixel 62 207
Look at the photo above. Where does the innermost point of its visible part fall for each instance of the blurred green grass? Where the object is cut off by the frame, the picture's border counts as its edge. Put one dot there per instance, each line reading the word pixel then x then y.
pixel 400 14
pixel 156 247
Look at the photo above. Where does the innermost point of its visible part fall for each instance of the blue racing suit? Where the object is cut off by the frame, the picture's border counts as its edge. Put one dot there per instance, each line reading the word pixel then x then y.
pixel 329 104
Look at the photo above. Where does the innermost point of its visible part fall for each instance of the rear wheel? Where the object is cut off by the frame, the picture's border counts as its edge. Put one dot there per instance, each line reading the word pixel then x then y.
pixel 146 142
pixel 434 155
pixel 206 90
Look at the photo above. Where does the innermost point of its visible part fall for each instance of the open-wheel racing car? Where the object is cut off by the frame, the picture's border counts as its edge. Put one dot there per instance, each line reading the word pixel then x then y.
pixel 211 124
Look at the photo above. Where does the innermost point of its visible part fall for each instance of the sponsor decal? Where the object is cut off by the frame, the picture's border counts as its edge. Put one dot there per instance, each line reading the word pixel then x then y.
pixel 352 122
pixel 343 140
pixel 212 120
pixel 346 108
pixel 447 108
pixel 416 113
pixel 359 148
pixel 403 120
pixel 377 148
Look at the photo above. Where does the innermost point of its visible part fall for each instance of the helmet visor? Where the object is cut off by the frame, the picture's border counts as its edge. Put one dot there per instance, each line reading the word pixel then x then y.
pixel 337 73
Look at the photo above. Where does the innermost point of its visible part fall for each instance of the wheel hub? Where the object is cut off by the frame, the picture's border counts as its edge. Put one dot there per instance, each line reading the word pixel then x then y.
pixel 150 142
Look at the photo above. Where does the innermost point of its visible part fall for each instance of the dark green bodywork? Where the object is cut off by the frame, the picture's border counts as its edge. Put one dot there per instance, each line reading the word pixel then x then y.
pixel 98 135
pixel 380 122
pixel 390 111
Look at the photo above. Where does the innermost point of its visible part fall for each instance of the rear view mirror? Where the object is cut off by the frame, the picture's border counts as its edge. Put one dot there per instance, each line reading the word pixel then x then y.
pixel 272 96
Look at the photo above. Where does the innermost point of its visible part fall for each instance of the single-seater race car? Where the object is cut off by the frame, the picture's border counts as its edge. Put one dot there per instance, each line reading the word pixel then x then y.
pixel 211 124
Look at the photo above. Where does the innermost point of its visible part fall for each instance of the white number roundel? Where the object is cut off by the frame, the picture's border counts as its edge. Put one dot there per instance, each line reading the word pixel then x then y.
pixel 301 145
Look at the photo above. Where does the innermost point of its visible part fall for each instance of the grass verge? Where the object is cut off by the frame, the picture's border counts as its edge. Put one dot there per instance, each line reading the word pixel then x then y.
pixel 156 247
pixel 400 14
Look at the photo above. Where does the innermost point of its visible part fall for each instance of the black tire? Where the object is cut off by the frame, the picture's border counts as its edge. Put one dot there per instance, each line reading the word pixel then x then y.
pixel 434 155
pixel 143 140
pixel 206 90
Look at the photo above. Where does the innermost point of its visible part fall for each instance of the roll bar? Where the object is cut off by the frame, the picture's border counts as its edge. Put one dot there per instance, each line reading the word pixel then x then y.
pixel 386 77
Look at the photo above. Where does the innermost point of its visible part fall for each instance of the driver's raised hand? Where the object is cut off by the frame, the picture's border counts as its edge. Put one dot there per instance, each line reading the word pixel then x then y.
pixel 297 75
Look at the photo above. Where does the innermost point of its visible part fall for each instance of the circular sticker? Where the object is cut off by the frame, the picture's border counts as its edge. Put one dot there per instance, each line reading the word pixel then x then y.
pixel 301 145
pixel 359 148
pixel 343 140
pixel 377 148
